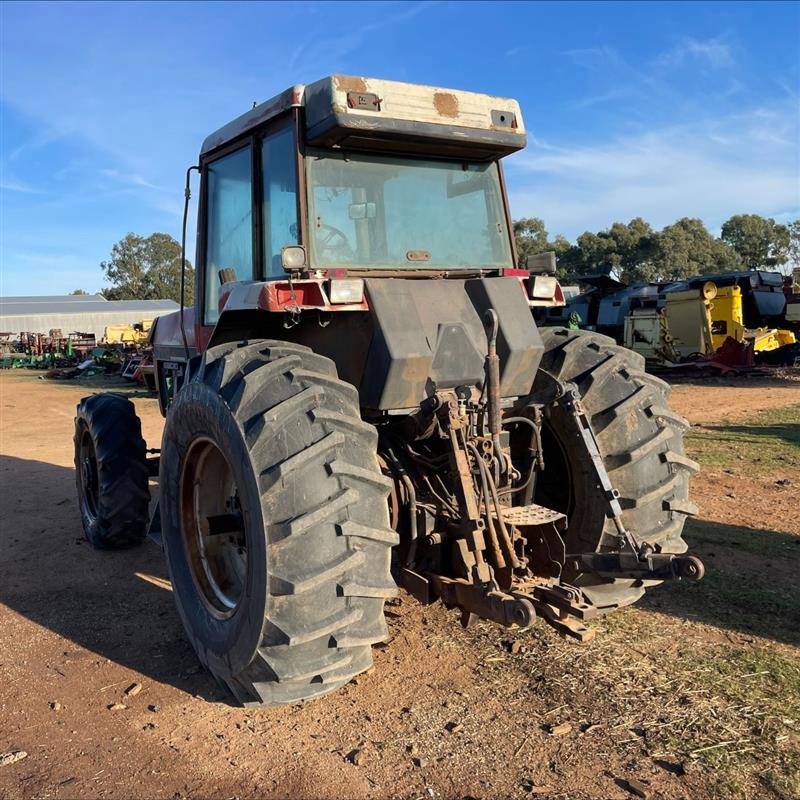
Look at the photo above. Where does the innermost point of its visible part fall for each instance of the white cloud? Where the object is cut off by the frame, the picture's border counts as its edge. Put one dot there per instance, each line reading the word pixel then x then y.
pixel 129 178
pixel 10 185
pixel 320 52
pixel 714 52
pixel 40 139
pixel 592 57
pixel 615 80
pixel 710 169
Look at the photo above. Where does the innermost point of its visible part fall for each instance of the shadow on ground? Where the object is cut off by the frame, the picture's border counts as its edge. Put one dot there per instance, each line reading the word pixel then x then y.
pixel 112 382
pixel 788 432
pixel 115 603
pixel 118 604
pixel 781 377
pixel 750 584
pixel 103 383
pixel 755 433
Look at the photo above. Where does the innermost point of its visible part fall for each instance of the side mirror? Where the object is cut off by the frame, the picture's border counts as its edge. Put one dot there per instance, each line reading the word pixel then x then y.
pixel 293 258
pixel 541 263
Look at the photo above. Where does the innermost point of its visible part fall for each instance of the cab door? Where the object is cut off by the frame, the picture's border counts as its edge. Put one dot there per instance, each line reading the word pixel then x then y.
pixel 228 221
pixel 250 209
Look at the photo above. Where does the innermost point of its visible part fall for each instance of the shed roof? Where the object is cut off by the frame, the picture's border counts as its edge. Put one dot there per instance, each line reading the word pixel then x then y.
pixel 78 304
pixel 55 298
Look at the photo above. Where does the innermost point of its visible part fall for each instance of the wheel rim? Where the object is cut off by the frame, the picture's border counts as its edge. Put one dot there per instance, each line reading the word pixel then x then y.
pixel 87 461
pixel 212 524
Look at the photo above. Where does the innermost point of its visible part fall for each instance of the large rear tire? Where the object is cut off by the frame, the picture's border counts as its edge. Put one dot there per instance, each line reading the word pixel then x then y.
pixel 275 522
pixel 641 441
pixel 111 471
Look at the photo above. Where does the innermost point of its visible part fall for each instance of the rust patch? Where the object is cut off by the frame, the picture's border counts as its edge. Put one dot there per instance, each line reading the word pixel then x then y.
pixel 347 83
pixel 446 104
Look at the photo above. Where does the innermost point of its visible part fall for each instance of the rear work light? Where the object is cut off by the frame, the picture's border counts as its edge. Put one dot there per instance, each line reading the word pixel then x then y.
pixel 344 291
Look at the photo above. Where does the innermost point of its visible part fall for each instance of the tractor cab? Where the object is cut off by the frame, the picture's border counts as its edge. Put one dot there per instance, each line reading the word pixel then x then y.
pixel 355 177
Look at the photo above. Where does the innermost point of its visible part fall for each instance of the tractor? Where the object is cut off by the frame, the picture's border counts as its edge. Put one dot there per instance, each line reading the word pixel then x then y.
pixel 360 400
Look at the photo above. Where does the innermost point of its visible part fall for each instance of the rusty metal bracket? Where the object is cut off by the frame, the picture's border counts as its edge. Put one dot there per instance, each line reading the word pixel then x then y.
pixel 565 608
pixel 564 623
pixel 494 605
pixel 417 586
pixel 542 529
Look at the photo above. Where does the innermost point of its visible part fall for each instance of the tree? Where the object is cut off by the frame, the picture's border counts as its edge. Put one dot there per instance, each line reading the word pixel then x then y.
pixel 530 236
pixel 635 253
pixel 686 248
pixel 147 269
pixel 794 244
pixel 624 251
pixel 760 242
pixel 78 291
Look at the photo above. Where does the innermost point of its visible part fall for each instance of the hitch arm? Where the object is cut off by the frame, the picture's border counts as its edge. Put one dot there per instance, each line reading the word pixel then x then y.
pixel 642 566
pixel 637 560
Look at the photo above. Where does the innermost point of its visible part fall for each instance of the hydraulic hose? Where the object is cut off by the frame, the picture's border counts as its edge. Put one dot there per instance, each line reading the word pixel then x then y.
pixel 494 544
pixel 536 436
pixel 492 323
pixel 504 534
pixel 412 504
pixel 537 459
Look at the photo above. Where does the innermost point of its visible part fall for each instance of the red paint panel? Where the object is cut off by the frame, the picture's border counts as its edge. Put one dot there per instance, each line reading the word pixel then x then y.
pixel 277 296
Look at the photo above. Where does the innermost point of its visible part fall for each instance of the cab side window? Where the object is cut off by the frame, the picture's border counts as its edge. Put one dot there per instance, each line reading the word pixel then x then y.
pixel 279 167
pixel 229 237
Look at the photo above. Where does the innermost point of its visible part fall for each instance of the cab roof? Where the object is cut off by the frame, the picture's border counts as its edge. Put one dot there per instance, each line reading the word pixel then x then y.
pixel 363 113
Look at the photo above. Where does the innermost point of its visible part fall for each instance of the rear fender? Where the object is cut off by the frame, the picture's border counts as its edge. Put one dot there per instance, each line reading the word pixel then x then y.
pixel 170 351
pixel 166 337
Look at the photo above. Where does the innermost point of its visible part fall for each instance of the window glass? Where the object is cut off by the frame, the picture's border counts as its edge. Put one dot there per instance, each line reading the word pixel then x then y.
pixel 229 241
pixel 278 160
pixel 382 211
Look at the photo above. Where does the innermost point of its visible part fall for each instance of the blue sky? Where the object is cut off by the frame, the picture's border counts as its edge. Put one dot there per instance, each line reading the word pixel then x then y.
pixel 658 110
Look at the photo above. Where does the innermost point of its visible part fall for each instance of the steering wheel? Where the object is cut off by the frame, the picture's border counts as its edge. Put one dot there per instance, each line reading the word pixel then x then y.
pixel 334 240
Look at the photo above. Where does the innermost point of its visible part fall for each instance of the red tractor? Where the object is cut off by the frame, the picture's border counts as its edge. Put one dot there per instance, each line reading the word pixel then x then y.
pixel 361 399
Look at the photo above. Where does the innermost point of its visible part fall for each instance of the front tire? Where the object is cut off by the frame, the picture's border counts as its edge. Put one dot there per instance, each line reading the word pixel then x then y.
pixel 275 522
pixel 111 471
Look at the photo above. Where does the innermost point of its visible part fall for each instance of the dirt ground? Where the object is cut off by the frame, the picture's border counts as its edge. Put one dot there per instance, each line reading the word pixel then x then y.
pixel 694 693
